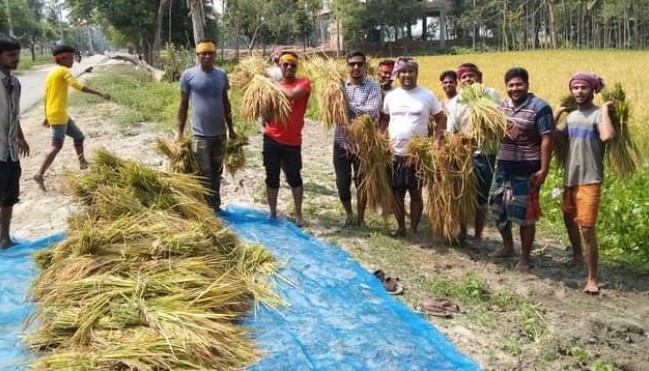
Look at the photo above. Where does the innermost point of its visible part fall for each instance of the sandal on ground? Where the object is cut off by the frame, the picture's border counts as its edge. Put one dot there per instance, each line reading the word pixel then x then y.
pixel 440 308
pixel 391 285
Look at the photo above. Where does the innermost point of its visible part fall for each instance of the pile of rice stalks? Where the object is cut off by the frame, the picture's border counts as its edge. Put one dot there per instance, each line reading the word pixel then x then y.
pixel 262 98
pixel 374 152
pixel 245 70
pixel 181 156
pixel 235 157
pixel 146 279
pixel 621 153
pixel 486 121
pixel 328 77
pixel 447 173
pixel 560 143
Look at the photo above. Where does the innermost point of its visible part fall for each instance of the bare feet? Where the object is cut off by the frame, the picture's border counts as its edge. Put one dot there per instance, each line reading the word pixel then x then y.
pixel 592 288
pixel 504 253
pixel 398 233
pixel 299 221
pixel 576 261
pixel 5 244
pixel 83 164
pixel 523 267
pixel 40 181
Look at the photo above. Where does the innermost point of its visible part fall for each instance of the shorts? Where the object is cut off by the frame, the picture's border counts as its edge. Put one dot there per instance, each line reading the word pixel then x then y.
pixel 279 157
pixel 9 183
pixel 70 129
pixel 404 176
pixel 582 203
pixel 483 168
pixel 514 199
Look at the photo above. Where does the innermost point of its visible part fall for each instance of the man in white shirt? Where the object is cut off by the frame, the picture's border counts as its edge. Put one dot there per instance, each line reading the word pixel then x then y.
pixel 407 110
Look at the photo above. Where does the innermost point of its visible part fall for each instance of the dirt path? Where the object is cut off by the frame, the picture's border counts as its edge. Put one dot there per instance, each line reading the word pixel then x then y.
pixel 510 321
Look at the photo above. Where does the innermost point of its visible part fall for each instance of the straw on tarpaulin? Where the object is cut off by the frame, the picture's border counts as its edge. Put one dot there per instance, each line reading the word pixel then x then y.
pixel 146 279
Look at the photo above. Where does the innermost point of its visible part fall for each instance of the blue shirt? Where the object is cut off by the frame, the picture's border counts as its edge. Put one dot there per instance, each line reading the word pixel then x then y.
pixel 206 90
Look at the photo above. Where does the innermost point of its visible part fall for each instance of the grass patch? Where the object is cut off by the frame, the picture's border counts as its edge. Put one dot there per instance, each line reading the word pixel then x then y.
pixel 26 62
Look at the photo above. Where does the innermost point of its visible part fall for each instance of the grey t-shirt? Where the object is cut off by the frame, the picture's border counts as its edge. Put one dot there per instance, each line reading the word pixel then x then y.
pixel 586 151
pixel 206 90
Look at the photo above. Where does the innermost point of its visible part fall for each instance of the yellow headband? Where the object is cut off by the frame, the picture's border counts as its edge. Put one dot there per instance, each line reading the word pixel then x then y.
pixel 288 58
pixel 205 47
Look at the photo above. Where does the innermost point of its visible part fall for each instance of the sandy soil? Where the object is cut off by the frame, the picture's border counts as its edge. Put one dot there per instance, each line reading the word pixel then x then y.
pixel 575 331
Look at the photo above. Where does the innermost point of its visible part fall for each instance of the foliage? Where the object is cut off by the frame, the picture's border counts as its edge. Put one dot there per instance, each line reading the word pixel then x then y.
pixel 174 62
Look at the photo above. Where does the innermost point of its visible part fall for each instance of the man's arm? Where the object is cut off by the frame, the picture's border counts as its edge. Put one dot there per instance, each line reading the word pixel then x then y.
pixel 23 147
pixel 440 126
pixel 538 178
pixel 183 107
pixel 606 129
pixel 297 92
pixel 372 105
pixel 227 109
pixel 89 90
pixel 70 80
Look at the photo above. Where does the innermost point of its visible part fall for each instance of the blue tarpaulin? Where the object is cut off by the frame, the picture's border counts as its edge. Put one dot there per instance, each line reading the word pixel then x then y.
pixel 337 317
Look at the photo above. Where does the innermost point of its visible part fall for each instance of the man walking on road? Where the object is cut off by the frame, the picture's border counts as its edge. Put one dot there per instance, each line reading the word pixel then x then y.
pixel 12 141
pixel 207 87
pixel 56 110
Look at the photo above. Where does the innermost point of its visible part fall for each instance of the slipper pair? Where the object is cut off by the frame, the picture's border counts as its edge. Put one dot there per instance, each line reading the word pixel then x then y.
pixel 391 285
pixel 440 308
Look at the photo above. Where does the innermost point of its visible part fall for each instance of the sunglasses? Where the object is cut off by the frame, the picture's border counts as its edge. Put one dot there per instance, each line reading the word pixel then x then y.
pixel 287 64
pixel 205 54
pixel 356 64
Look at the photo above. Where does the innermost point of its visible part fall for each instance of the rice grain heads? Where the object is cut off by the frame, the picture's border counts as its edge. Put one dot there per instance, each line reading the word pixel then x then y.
pixel 621 153
pixel 486 121
pixel 328 77
pixel 262 98
pixel 147 279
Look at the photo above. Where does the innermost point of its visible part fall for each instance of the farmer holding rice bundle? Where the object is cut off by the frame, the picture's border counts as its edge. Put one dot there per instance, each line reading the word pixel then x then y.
pixel 588 128
pixel 207 87
pixel 283 140
pixel 484 157
pixel 522 164
pixel 408 110
pixel 363 97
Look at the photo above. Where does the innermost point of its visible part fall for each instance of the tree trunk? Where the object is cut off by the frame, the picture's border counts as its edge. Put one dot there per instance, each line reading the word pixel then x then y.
pixel 158 32
pixel 505 39
pixel 552 24
pixel 198 19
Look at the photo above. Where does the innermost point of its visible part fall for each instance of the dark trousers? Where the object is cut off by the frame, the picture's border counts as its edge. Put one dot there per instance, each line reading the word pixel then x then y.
pixel 279 157
pixel 9 183
pixel 347 167
pixel 210 152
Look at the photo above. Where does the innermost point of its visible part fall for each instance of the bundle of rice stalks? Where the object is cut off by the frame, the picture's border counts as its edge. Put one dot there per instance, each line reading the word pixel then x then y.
pixel 328 76
pixel 621 153
pixel 374 152
pixel 486 121
pixel 146 287
pixel 181 157
pixel 245 70
pixel 560 143
pixel 235 158
pixel 447 172
pixel 262 98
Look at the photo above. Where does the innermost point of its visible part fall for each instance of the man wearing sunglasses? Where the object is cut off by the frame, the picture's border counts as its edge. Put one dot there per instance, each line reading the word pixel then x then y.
pixel 12 140
pixel 282 148
pixel 207 87
pixel 408 110
pixel 363 97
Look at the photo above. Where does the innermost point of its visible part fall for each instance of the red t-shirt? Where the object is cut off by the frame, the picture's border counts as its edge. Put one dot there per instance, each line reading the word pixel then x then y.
pixel 290 133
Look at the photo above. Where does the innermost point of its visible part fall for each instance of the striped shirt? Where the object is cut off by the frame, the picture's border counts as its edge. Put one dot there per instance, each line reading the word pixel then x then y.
pixel 520 149
pixel 585 163
pixel 9 117
pixel 362 99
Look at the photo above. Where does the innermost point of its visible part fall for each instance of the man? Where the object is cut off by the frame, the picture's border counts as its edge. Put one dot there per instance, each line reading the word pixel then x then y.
pixel 56 110
pixel 588 129
pixel 384 74
pixel 522 165
pixel 12 141
pixel 283 140
pixel 408 109
pixel 448 79
pixel 363 97
pixel 484 158
pixel 207 88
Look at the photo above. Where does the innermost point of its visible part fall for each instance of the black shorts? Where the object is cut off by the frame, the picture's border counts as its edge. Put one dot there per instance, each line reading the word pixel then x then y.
pixel 279 157
pixel 404 177
pixel 9 183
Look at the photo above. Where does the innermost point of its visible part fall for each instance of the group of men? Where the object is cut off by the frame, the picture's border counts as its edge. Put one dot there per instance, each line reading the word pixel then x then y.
pixel 509 173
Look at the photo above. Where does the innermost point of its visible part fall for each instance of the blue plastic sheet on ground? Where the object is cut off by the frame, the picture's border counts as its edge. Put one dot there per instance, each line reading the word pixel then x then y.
pixel 17 272
pixel 338 317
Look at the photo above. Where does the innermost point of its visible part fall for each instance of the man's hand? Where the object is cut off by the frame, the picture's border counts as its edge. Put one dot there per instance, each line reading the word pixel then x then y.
pixel 106 96
pixel 23 147
pixel 608 105
pixel 88 70
pixel 46 123
pixel 560 109
pixel 232 135
pixel 538 178
pixel 179 137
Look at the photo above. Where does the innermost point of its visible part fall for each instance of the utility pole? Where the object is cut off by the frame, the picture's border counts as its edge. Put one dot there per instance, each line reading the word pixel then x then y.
pixel 60 5
pixel 11 27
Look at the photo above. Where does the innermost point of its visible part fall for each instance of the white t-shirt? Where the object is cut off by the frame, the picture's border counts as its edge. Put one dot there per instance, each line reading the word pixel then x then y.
pixel 457 120
pixel 409 112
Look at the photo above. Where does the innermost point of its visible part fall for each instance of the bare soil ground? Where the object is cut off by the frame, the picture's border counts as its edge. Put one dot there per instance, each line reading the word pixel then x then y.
pixel 509 320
